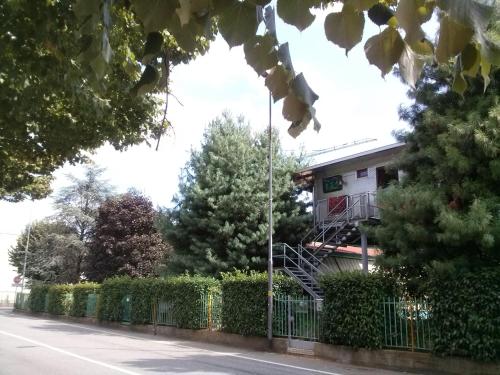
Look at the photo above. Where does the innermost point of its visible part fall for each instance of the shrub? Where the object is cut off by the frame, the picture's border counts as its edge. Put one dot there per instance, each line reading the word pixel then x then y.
pixel 80 295
pixel 351 312
pixel 244 296
pixel 466 313
pixel 143 292
pixel 37 297
pixel 109 303
pixel 59 299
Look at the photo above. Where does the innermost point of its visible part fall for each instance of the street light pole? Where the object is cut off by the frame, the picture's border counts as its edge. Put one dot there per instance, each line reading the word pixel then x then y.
pixel 26 258
pixel 270 236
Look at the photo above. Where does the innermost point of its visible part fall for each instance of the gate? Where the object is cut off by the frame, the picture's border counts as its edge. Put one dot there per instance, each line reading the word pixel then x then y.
pixel 297 317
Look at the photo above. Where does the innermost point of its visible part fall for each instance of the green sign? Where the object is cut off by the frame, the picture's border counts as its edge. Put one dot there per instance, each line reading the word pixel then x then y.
pixel 333 183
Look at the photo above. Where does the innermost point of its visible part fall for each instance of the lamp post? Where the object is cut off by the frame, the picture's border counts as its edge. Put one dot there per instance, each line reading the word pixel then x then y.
pixel 270 235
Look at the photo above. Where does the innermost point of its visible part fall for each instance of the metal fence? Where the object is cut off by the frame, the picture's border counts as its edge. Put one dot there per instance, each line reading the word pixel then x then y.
pixel 126 307
pixel 22 300
pixel 407 323
pixel 297 318
pixel 90 309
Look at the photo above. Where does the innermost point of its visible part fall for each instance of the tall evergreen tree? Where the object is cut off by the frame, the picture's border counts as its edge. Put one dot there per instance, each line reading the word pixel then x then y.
pixel 447 209
pixel 220 218
pixel 125 240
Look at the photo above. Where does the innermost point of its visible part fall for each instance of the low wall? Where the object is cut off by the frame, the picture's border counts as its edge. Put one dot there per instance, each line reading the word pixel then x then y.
pixel 391 359
pixel 404 360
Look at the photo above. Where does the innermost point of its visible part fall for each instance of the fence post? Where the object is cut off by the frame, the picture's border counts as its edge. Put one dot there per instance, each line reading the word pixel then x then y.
pixel 289 318
pixel 412 335
pixel 209 311
pixel 154 315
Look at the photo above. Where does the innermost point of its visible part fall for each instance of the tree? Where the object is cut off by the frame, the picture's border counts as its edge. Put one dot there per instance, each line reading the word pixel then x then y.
pixel 125 241
pixel 446 212
pixel 61 95
pixel 77 206
pixel 220 218
pixel 53 253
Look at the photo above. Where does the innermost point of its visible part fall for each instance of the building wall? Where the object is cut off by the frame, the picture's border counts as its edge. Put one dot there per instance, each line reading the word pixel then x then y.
pixel 351 184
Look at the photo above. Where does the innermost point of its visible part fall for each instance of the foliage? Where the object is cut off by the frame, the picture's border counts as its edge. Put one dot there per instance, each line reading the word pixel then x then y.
pixel 466 313
pixel 38 293
pixel 109 303
pixel 59 299
pixel 125 240
pixel 447 207
pixel 351 313
pixel 59 97
pixel 53 252
pixel 244 296
pixel 80 295
pixel 220 218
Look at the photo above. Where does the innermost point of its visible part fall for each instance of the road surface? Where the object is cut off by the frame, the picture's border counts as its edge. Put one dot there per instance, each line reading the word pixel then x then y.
pixel 32 346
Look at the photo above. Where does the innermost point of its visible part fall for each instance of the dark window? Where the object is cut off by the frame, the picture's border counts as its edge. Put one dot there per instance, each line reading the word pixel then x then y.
pixel 360 173
pixel 385 176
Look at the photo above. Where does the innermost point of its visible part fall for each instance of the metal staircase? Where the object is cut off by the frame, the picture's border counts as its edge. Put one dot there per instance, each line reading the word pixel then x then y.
pixel 339 228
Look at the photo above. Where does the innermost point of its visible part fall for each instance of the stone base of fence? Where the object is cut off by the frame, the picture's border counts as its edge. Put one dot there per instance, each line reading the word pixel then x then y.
pixel 390 359
pixel 402 360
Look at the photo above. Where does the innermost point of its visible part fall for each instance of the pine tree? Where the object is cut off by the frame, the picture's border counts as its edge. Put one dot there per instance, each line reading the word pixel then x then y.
pixel 220 218
pixel 446 212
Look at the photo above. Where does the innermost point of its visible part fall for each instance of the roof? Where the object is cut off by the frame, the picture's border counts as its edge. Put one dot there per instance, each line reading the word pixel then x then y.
pixel 395 147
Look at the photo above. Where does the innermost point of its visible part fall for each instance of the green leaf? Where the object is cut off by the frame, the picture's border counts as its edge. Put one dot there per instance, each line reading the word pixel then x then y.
pixel 302 90
pixel 485 71
pixel 293 108
pixel 380 14
pixel 459 82
pixel 407 14
pixel 385 49
pixel 362 4
pixel 238 23
pixel 261 53
pixel 410 66
pixel 277 81
pixel 296 13
pixel 453 37
pixel 85 8
pixel 345 28
pixel 147 82
pixel 154 44
pixel 155 15
pixel 470 60
pixel 189 7
pixel 284 57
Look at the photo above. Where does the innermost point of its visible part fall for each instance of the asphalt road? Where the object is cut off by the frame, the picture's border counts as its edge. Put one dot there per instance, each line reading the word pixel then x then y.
pixel 32 346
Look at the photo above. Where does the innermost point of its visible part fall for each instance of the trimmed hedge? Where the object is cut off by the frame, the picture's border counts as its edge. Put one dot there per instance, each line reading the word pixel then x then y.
pixel 466 313
pixel 80 295
pixel 351 312
pixel 37 297
pixel 58 301
pixel 109 306
pixel 244 296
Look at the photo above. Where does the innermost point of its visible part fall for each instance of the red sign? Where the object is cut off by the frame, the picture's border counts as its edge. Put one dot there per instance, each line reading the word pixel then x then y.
pixel 17 279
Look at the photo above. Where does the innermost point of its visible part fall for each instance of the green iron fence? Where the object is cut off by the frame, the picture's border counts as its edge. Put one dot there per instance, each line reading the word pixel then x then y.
pixel 90 309
pixel 126 309
pixel 22 301
pixel 297 318
pixel 407 323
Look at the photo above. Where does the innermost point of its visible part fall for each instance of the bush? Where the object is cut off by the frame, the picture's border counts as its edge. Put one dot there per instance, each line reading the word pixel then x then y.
pixel 59 299
pixel 80 295
pixel 351 313
pixel 109 303
pixel 37 297
pixel 244 296
pixel 143 292
pixel 466 313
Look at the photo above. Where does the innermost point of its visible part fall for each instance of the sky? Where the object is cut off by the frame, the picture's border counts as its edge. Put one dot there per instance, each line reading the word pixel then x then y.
pixel 354 103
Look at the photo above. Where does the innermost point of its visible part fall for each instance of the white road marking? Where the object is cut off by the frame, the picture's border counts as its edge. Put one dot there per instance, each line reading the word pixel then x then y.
pixel 65 352
pixel 237 355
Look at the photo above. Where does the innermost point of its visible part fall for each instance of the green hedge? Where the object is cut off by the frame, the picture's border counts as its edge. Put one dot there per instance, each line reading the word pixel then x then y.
pixel 80 294
pixel 244 296
pixel 37 297
pixel 142 292
pixel 466 313
pixel 59 299
pixel 351 313
pixel 109 306
pixel 188 296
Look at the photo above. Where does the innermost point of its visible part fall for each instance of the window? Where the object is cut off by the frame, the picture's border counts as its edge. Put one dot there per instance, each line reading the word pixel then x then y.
pixel 360 173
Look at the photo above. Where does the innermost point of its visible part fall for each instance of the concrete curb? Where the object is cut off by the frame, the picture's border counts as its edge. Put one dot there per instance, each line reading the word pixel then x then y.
pixel 388 359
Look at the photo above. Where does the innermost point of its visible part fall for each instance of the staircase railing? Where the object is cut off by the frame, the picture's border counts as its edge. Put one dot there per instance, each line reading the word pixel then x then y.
pixel 292 258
